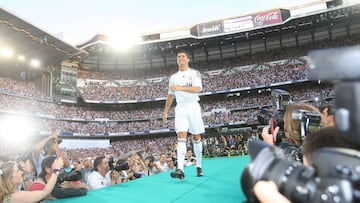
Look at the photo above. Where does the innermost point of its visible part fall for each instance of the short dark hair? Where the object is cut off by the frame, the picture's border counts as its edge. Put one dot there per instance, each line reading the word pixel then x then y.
pixel 330 110
pixel 182 51
pixel 46 163
pixel 98 161
pixel 325 137
pixel 28 155
pixel 151 158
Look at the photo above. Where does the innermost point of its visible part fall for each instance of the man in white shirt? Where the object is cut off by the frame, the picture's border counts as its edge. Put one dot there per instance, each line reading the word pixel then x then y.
pixel 185 85
pixel 100 178
pixel 162 163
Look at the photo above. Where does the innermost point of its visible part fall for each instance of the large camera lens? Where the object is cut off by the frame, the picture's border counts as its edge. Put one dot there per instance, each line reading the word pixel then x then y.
pixel 121 167
pixel 269 163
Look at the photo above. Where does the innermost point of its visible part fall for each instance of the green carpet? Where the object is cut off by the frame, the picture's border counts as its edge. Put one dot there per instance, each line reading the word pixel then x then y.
pixel 220 183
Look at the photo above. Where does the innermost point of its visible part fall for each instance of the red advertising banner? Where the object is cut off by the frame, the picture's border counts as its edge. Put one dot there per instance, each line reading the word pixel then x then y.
pixel 267 18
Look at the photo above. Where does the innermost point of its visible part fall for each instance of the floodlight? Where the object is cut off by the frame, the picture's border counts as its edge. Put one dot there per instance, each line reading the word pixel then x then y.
pixel 35 63
pixel 6 52
pixel 16 129
pixel 21 58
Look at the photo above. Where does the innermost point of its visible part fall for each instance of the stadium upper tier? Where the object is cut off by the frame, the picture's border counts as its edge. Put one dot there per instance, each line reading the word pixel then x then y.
pixel 230 76
pixel 221 111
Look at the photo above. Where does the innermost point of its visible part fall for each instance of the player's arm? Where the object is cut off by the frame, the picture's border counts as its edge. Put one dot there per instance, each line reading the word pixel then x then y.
pixel 195 89
pixel 168 103
pixel 196 85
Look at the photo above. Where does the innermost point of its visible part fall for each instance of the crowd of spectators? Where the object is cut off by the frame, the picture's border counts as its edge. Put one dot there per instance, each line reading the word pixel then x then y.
pixel 76 119
pixel 225 79
pixel 215 64
pixel 21 97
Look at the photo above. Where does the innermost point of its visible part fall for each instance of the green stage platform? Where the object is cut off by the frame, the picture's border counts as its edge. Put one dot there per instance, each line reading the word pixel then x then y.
pixel 220 183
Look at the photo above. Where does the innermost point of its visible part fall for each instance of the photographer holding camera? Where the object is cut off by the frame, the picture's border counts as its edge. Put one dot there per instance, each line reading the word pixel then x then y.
pixel 266 191
pixel 334 175
pixel 48 146
pixel 103 176
pixel 292 140
pixel 66 185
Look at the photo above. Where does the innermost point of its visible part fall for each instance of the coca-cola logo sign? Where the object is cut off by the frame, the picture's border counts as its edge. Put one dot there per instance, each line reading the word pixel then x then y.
pixel 267 18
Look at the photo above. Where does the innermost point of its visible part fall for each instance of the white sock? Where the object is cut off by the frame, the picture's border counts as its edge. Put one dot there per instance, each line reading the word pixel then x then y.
pixel 198 152
pixel 181 151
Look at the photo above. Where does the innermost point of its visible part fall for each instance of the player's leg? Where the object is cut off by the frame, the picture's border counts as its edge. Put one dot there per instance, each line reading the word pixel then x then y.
pixel 196 127
pixel 181 128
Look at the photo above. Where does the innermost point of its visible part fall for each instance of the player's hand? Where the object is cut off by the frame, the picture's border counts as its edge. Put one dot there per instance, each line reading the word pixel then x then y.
pixel 175 88
pixel 165 117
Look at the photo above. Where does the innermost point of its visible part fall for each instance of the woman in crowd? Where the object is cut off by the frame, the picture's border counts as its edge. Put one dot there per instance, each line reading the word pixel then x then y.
pixel 66 189
pixel 11 177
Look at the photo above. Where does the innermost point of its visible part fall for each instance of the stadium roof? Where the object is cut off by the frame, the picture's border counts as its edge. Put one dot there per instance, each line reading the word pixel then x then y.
pixel 34 43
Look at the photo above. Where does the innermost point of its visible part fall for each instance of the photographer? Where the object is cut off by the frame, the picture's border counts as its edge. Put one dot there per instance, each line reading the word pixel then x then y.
pixel 102 176
pixel 26 163
pixel 62 189
pixel 326 137
pixel 48 146
pixel 266 191
pixel 334 174
pixel 327 112
pixel 292 130
pixel 151 166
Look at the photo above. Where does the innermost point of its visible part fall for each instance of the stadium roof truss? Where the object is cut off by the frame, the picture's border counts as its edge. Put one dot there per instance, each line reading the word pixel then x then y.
pixel 32 42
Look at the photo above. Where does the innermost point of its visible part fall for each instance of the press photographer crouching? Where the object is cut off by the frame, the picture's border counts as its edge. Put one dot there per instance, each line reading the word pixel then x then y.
pixel 334 175
pixel 68 183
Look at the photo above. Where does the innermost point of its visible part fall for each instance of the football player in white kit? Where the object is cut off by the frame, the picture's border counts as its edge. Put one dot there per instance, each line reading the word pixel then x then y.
pixel 185 85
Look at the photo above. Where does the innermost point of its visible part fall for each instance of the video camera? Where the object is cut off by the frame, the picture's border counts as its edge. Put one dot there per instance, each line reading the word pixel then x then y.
pixel 309 121
pixel 334 175
pixel 275 118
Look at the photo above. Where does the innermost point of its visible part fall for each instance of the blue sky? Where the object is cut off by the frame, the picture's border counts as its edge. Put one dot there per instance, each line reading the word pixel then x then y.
pixel 83 19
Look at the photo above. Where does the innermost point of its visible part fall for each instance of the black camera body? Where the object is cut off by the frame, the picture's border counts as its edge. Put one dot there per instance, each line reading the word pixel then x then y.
pixel 72 175
pixel 335 173
pixel 121 167
pixel 309 121
pixel 275 118
pixel 325 181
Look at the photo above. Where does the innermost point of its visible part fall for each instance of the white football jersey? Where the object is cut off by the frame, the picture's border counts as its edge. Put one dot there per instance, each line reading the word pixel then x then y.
pixel 188 78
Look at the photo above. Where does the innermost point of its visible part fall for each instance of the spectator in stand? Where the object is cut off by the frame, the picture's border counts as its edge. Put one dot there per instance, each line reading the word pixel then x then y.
pixel 86 169
pixel 171 164
pixel 11 177
pixel 162 162
pixel 189 159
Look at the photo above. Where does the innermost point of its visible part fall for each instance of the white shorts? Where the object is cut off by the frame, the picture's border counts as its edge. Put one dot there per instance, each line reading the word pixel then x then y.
pixel 188 117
